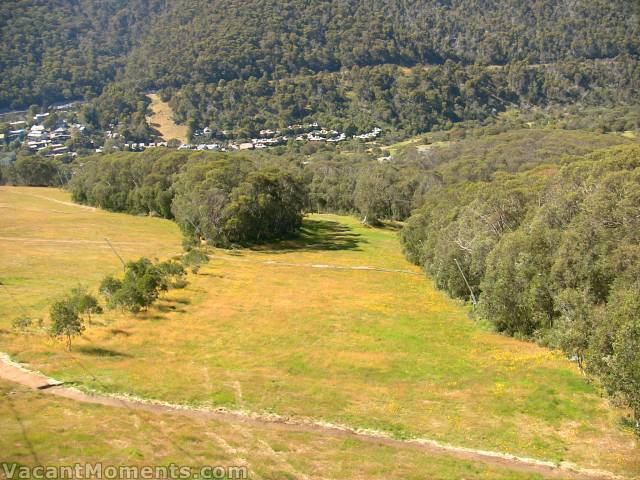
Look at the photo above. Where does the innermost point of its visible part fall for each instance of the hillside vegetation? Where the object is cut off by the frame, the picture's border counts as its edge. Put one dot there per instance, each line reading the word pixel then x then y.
pixel 240 66
pixel 553 255
pixel 61 49
pixel 332 179
pixel 377 348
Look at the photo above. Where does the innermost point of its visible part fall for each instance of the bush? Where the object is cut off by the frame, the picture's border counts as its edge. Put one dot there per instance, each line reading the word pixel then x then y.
pixel 141 285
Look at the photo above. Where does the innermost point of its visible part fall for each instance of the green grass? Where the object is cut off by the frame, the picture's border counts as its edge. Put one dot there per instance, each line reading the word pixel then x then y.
pixel 37 264
pixel 366 348
pixel 46 430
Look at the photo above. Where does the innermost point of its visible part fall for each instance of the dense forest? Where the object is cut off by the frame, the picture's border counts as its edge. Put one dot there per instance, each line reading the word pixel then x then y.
pixel 244 65
pixel 55 50
pixel 399 99
pixel 553 255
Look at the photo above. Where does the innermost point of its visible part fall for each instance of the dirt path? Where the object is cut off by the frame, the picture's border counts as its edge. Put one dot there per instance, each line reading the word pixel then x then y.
pixel 311 265
pixel 55 200
pixel 66 241
pixel 17 373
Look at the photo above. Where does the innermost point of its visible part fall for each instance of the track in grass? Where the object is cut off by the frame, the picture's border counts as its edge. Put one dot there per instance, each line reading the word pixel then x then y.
pixel 14 372
pixel 375 350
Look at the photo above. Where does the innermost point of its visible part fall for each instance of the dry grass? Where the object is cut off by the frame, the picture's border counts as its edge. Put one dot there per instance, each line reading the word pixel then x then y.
pixel 41 429
pixel 630 134
pixel 365 348
pixel 162 120
pixel 37 260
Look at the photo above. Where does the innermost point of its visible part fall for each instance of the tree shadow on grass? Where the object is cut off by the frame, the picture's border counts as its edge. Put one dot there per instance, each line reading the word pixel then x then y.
pixel 208 274
pixel 102 352
pixel 317 235
pixel 169 307
pixel 390 225
pixel 181 301
pixel 119 331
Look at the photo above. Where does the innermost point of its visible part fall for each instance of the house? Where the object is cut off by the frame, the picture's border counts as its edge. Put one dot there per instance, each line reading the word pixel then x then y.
pixel 60 136
pixel 57 150
pixel 60 133
pixel 38 133
pixel 337 139
pixel 34 145
pixel 245 146
pixel 40 116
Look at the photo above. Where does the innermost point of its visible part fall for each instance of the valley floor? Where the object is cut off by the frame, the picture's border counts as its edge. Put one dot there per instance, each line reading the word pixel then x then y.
pixel 335 326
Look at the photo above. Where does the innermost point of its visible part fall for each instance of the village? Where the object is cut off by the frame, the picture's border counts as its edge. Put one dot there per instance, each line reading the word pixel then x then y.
pixel 49 136
pixel 311 132
pixel 40 139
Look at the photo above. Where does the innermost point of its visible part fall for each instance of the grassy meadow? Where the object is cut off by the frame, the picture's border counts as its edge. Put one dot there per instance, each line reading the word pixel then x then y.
pixel 41 429
pixel 161 119
pixel 48 245
pixel 274 329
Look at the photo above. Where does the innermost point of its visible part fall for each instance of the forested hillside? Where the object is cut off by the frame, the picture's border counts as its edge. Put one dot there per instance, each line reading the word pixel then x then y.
pixel 410 101
pixel 552 254
pixel 203 42
pixel 239 65
pixel 53 50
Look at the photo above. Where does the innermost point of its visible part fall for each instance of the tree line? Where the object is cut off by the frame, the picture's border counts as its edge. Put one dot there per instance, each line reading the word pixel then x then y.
pixel 196 187
pixel 553 255
pixel 212 197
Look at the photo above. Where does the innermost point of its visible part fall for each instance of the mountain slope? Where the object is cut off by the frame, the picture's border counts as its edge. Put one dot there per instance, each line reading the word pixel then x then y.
pixel 52 50
pixel 65 48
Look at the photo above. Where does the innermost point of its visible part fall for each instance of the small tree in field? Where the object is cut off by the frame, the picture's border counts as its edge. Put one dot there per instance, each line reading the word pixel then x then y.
pixel 109 287
pixel 67 322
pixel 86 304
pixel 194 258
pixel 67 314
